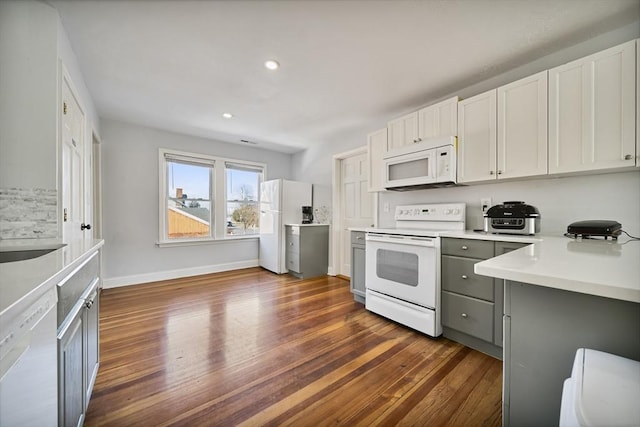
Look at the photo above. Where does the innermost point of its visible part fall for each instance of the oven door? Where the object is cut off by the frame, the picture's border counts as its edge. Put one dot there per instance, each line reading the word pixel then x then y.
pixel 404 267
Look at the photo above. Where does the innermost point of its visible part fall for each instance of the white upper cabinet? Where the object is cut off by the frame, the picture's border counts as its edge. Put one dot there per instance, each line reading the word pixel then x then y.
pixel 477 138
pixel 592 112
pixel 376 147
pixel 439 120
pixel 434 121
pixel 403 131
pixel 522 127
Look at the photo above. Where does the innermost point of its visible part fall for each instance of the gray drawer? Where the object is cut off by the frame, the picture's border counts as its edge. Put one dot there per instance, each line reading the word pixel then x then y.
pixel 469 315
pixel 481 249
pixel 358 237
pixel 292 230
pixel 293 261
pixel 293 243
pixel 458 276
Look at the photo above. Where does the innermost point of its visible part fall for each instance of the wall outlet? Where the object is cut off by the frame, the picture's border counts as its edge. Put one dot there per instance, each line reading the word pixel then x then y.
pixel 485 204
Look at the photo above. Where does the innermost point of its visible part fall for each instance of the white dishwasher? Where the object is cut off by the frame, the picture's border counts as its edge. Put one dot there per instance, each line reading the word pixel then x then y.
pixel 28 361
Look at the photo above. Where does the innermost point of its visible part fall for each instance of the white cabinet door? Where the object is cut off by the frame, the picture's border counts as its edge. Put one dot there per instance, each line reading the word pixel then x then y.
pixel 439 120
pixel 376 147
pixel 592 111
pixel 477 138
pixel 522 127
pixel 403 131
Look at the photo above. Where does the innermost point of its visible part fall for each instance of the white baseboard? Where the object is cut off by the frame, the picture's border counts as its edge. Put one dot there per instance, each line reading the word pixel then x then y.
pixel 330 271
pixel 116 282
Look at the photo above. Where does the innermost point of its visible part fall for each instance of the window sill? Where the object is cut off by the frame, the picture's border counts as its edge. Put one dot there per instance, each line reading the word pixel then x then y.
pixel 175 243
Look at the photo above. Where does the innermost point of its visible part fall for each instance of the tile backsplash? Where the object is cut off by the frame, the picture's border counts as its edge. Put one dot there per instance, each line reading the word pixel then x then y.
pixel 28 213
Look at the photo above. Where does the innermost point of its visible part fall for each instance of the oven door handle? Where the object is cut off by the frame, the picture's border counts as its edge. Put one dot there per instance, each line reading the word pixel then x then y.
pixel 401 240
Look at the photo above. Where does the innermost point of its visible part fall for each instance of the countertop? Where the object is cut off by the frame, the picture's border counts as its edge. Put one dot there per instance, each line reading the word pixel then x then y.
pixel 21 279
pixel 606 268
pixel 307 225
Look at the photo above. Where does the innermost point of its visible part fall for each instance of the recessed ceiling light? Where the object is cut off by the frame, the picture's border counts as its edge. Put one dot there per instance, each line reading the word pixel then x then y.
pixel 272 64
pixel 227 115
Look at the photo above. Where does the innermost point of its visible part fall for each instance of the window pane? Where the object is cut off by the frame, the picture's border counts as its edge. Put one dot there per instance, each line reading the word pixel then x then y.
pixel 243 190
pixel 188 201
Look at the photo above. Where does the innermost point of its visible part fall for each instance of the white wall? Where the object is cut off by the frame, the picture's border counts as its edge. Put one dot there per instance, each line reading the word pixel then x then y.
pixel 28 95
pixel 130 206
pixel 614 196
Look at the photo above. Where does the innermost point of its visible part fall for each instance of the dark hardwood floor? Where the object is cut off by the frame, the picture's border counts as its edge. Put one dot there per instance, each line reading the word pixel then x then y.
pixel 252 348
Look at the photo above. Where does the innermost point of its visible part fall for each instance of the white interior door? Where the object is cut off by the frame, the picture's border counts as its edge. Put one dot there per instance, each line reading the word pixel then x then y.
pixel 356 205
pixel 73 141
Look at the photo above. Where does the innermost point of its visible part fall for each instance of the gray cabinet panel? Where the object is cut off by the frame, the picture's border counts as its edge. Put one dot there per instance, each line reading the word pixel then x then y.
pixel 358 259
pixel 468 315
pixel 458 276
pixel 307 250
pixel 545 328
pixel 481 249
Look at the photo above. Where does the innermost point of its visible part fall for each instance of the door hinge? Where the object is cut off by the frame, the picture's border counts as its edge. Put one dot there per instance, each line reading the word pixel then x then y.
pixel 64 215
pixel 64 108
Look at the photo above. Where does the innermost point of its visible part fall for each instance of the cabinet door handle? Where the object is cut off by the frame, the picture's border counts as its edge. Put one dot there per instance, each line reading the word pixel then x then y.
pixel 490 172
pixel 290 243
pixel 464 315
pixel 499 172
pixel 464 248
pixel 464 276
pixel 628 157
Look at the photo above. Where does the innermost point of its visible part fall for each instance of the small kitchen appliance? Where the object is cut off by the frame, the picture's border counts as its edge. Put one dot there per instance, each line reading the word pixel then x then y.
pixel 513 217
pixel 594 228
pixel 307 214
pixel 428 164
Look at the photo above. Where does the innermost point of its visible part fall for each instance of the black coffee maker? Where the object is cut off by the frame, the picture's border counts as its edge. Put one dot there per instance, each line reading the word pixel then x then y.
pixel 307 214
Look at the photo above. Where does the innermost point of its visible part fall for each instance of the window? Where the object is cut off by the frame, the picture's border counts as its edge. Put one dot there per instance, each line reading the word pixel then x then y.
pixel 242 197
pixel 205 198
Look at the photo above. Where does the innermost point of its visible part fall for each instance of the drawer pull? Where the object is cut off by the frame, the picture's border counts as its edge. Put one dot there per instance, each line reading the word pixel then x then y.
pixel 358 238
pixel 464 315
pixel 464 276
pixel 464 247
pixel 290 243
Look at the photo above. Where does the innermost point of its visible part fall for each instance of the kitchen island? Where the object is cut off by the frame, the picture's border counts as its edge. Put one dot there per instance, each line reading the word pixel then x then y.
pixel 560 295
pixel 49 360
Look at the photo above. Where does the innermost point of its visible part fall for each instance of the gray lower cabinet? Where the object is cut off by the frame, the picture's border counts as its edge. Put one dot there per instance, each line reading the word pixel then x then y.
pixel 79 345
pixel 543 329
pixel 358 246
pixel 307 252
pixel 472 305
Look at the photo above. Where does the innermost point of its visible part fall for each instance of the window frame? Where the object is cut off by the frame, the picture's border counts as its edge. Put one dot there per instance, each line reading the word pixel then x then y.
pixel 217 195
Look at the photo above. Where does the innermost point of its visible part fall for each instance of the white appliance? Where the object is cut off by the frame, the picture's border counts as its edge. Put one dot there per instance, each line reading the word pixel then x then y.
pixel 603 390
pixel 281 203
pixel 427 164
pixel 28 361
pixel 402 274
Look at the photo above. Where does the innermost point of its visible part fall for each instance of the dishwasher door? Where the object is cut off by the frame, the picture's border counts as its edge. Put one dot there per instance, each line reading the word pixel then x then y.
pixel 28 365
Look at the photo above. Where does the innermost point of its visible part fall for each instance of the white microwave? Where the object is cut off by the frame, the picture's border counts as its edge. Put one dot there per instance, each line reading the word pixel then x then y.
pixel 427 164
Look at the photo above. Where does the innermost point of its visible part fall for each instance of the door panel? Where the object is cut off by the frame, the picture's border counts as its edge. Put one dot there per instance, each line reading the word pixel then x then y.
pixel 356 205
pixel 73 141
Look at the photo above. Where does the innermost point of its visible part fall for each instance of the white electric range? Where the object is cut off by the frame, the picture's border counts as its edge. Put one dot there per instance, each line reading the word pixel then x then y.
pixel 403 264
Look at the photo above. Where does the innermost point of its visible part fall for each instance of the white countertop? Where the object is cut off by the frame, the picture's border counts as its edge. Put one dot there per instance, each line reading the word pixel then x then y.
pixel 606 268
pixel 23 278
pixel 307 225
pixel 481 235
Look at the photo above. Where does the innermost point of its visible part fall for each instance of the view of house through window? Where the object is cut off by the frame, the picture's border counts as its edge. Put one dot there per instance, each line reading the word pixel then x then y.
pixel 189 200
pixel 207 198
pixel 242 196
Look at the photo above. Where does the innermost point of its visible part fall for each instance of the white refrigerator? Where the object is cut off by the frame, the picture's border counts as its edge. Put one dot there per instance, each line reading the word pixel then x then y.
pixel 281 203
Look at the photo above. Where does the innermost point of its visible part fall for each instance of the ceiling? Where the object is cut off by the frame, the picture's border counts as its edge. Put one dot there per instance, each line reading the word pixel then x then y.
pixel 346 66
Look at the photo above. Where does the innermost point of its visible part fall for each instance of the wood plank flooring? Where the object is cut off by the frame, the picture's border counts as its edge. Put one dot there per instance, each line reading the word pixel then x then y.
pixel 253 348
